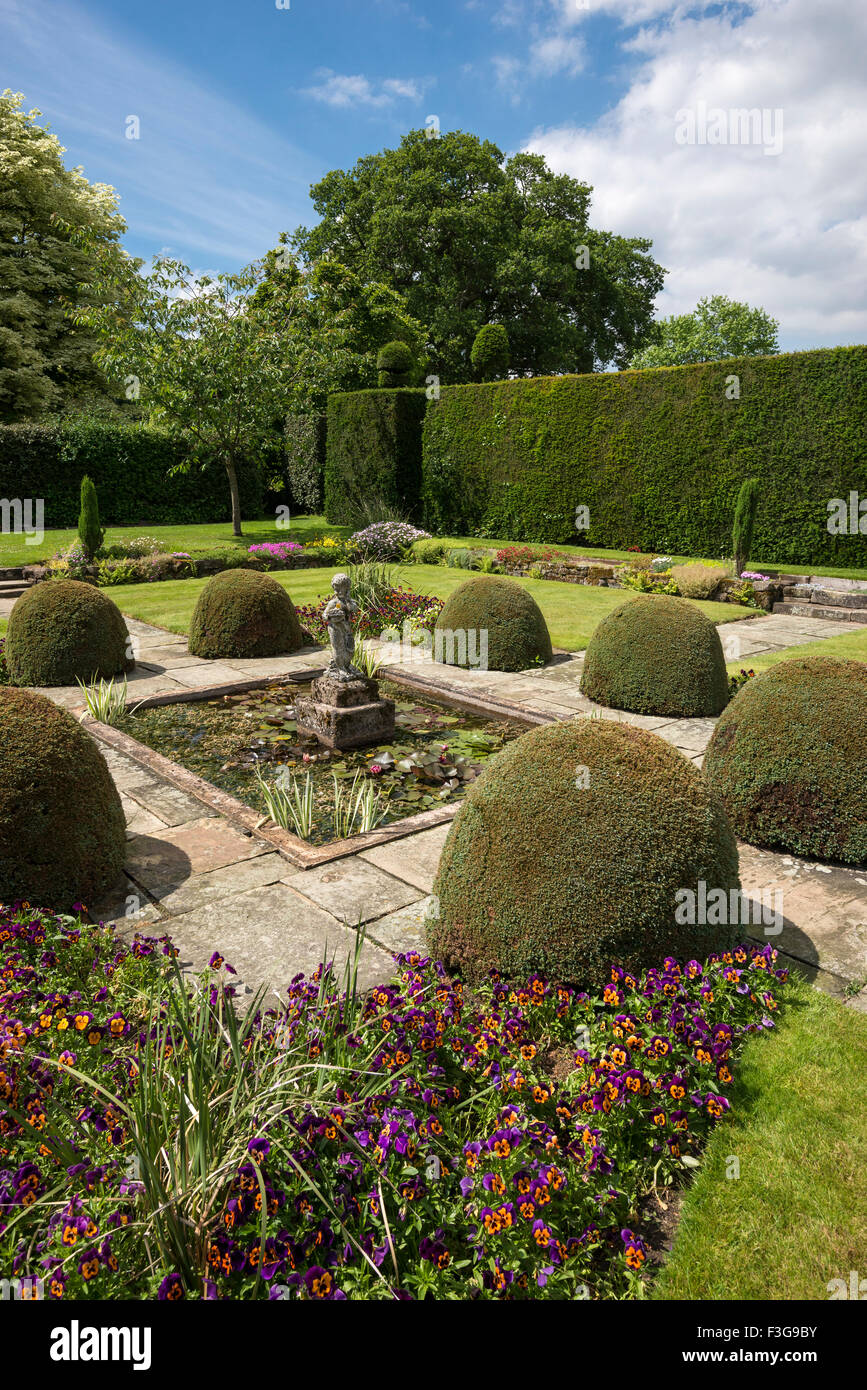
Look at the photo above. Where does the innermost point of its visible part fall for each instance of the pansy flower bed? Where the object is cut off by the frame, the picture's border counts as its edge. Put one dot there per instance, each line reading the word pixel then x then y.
pixel 408 1143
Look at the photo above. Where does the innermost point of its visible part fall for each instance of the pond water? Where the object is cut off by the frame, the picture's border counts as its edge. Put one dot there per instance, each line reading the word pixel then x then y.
pixel 436 753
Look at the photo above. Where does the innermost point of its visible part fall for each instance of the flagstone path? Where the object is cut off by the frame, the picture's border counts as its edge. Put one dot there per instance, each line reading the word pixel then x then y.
pixel 214 885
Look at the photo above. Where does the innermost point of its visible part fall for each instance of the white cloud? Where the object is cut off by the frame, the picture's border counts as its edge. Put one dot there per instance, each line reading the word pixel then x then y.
pixel 549 49
pixel 787 231
pixel 186 182
pixel 557 54
pixel 336 89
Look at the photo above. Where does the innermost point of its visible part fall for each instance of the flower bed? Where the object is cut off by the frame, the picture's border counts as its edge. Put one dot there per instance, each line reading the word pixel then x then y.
pixel 387 540
pixel 395 606
pixel 142 562
pixel 405 1144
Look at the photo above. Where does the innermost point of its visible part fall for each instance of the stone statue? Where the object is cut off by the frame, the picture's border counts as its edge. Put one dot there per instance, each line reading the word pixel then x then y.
pixel 338 615
pixel 344 708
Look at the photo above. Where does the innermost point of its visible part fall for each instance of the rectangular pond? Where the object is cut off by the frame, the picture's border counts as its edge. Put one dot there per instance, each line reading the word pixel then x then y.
pixel 238 742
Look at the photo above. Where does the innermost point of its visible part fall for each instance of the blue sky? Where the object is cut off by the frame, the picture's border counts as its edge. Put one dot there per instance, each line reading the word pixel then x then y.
pixel 242 105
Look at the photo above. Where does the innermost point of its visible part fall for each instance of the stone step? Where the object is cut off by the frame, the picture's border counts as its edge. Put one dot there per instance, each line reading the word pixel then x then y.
pixel 11 588
pixel 15 572
pixel 817 610
pixel 831 598
pixel 824 581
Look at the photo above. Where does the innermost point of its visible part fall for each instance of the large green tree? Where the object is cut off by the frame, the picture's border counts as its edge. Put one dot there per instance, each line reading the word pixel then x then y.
pixel 468 238
pixel 717 328
pixel 46 361
pixel 359 317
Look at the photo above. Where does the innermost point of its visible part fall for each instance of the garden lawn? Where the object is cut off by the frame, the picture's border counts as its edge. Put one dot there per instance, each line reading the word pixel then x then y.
pixel 218 535
pixel 572 611
pixel 796 1218
pixel 851 645
pixel 214 536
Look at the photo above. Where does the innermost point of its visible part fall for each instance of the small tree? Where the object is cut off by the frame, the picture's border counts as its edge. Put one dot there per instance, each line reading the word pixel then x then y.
pixel 744 523
pixel 490 353
pixel 221 360
pixel 90 533
pixel 717 328
pixel 394 364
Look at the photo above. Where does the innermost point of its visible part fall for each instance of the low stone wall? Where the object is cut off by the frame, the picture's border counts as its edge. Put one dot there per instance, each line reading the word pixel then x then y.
pixel 567 572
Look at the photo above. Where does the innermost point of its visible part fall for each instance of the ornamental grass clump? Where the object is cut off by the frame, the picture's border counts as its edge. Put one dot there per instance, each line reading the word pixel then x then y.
pixel 656 655
pixel 398 1144
pixel 789 759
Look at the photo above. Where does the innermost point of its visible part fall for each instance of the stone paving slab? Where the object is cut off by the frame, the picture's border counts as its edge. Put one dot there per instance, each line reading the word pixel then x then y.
pixel 203 888
pixel 354 889
pixel 413 859
pixel 157 659
pixel 403 931
pixel 138 820
pixel 142 683
pixel 689 735
pixel 824 910
pixel 203 674
pixel 126 904
pixel 169 804
pixel 124 771
pixel 270 934
pixel 197 847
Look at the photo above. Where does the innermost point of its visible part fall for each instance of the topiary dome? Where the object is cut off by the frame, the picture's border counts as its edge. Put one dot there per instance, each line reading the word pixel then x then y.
pixel 517 634
pixel 61 631
pixel 62 829
pixel 489 355
pixel 394 364
pixel 569 852
pixel 789 759
pixel 657 655
pixel 243 613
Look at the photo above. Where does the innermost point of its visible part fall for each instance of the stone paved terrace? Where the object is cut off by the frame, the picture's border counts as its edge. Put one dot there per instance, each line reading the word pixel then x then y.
pixel 213 884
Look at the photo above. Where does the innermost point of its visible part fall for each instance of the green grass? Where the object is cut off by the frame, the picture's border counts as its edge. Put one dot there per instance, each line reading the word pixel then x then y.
pixel 796 1217
pixel 14 551
pixel 572 611
pixel 851 645
pixel 598 553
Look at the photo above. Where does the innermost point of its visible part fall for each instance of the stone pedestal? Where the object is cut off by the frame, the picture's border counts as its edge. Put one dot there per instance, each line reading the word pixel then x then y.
pixel 345 714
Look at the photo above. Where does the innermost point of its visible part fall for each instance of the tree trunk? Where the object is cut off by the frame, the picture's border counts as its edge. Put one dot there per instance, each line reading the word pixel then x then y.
pixel 236 497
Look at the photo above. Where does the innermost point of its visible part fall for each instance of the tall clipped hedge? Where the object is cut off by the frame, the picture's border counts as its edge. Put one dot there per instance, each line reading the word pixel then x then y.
pixel 305 461
pixel 129 467
pixel 658 457
pixel 373 455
